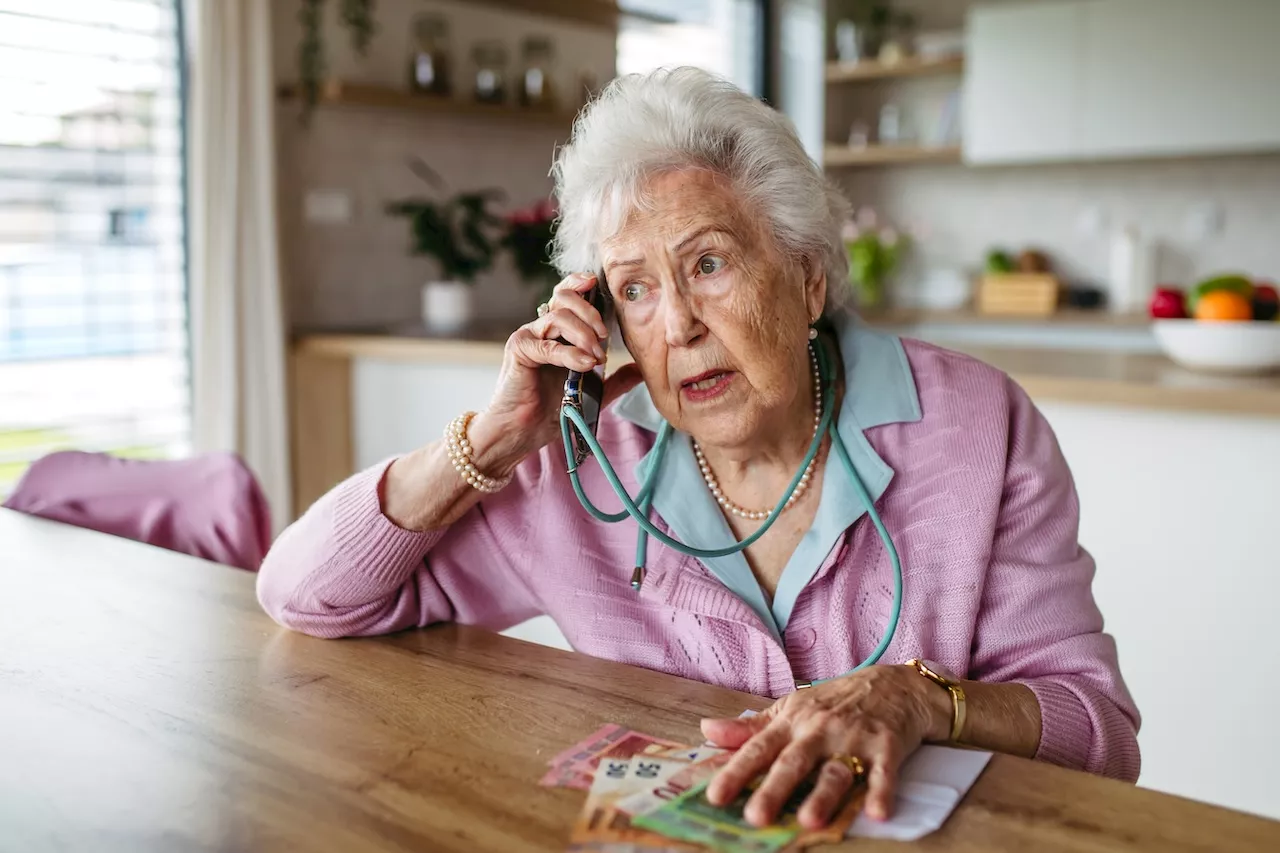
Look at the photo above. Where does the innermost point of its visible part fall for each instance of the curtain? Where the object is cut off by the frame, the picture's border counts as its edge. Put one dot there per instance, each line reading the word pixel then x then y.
pixel 237 323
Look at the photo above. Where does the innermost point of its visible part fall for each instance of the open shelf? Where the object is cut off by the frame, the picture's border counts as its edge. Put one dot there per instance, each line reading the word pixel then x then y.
pixel 876 155
pixel 598 13
pixel 343 94
pixel 911 66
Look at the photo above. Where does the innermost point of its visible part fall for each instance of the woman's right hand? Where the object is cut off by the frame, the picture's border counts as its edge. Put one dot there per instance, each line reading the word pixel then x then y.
pixel 523 415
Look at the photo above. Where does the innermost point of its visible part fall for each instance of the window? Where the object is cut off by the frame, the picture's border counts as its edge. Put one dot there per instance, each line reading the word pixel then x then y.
pixel 93 320
pixel 724 36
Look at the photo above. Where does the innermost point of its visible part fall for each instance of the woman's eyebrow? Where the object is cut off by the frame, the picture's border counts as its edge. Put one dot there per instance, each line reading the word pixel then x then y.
pixel 633 262
pixel 680 247
pixel 697 235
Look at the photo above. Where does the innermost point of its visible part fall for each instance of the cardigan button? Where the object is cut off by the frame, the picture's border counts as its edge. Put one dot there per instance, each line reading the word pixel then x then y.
pixel 805 640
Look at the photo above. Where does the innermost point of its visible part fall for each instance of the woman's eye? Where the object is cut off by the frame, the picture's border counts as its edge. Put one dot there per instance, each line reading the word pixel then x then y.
pixel 633 291
pixel 710 264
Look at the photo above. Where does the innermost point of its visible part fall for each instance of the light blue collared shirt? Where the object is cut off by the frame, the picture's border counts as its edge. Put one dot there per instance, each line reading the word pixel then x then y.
pixel 879 390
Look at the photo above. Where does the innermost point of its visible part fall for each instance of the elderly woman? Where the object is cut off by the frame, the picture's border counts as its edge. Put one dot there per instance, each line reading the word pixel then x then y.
pixel 719 246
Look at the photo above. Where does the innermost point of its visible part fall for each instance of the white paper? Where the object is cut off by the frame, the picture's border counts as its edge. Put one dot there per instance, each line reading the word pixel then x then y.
pixel 931 784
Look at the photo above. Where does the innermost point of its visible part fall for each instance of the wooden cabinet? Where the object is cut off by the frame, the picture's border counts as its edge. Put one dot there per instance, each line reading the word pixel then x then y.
pixel 1094 79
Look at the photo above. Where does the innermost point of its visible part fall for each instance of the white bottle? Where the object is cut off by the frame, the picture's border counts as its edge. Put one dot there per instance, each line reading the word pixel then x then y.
pixel 1132 271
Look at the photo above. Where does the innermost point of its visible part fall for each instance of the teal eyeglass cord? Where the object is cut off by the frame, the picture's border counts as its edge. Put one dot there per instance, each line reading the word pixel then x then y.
pixel 638 509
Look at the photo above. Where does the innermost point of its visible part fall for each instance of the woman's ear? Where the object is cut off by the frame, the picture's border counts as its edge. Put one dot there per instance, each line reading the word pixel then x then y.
pixel 815 288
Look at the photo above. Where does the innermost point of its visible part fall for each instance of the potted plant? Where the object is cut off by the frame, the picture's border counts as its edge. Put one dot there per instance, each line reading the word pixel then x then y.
pixel 355 15
pixel 461 233
pixel 528 238
pixel 873 252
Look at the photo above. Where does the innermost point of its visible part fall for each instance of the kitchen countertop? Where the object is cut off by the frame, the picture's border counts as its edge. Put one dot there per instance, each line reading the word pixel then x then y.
pixel 1070 375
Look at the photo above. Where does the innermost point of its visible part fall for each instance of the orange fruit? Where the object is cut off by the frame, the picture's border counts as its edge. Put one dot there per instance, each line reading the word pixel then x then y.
pixel 1223 305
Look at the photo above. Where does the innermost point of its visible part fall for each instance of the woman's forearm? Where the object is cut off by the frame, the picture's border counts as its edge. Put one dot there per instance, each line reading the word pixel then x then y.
pixel 1000 717
pixel 423 491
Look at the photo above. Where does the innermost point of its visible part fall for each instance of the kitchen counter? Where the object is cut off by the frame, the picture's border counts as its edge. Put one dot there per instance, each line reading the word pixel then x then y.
pixel 1130 379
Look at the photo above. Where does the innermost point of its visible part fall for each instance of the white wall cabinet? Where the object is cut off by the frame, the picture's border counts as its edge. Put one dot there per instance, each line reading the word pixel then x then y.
pixel 1179 511
pixel 399 406
pixel 1021 82
pixel 1093 79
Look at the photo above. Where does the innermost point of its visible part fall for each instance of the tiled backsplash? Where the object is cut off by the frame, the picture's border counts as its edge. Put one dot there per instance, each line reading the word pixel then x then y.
pixel 360 272
pixel 965 211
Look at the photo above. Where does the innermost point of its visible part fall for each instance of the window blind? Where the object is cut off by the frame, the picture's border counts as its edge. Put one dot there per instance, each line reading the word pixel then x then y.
pixel 93 319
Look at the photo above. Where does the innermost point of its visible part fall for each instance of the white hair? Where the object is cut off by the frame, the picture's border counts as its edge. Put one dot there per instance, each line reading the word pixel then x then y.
pixel 642 125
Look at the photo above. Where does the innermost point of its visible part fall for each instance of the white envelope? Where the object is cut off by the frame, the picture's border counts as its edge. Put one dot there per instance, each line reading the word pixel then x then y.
pixel 932 783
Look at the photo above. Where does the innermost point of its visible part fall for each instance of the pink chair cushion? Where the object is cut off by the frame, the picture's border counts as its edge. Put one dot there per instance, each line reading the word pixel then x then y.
pixel 210 506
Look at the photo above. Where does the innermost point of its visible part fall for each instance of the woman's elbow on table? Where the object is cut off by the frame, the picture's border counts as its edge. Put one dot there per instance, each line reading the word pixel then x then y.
pixel 308 614
pixel 343 569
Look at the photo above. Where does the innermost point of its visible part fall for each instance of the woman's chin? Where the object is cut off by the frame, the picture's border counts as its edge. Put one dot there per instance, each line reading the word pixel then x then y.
pixel 728 428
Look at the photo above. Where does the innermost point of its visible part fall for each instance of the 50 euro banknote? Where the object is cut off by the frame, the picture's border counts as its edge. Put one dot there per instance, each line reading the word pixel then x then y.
pixel 691 817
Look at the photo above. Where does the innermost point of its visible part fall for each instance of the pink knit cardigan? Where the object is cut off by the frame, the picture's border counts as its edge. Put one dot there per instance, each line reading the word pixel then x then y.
pixel 982 508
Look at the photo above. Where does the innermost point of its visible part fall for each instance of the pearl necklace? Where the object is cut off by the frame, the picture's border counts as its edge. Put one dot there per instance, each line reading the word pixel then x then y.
pixel 801 488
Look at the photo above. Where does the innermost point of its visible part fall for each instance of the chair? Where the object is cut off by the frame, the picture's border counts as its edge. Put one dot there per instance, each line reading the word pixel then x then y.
pixel 209 505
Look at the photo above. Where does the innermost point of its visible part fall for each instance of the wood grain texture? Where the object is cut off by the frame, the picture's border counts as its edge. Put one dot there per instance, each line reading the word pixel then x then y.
pixel 599 13
pixel 322 444
pixel 343 93
pixel 911 66
pixel 149 705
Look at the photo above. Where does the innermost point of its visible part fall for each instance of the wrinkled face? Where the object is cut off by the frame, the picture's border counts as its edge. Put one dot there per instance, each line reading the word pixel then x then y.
pixel 713 313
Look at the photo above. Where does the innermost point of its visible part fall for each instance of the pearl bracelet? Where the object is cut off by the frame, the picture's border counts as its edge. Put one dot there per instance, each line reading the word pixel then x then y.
pixel 455 435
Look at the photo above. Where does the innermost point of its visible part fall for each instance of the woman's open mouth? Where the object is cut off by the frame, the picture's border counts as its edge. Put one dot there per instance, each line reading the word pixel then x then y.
pixel 707 385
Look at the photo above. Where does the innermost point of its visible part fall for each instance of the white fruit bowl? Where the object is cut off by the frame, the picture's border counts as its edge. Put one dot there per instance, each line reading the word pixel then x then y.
pixel 1222 347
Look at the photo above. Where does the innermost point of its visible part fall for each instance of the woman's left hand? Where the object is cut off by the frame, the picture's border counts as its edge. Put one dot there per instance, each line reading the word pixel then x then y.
pixel 879 715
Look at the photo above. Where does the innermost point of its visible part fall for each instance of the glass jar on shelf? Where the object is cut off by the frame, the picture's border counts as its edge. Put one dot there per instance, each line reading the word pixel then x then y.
pixel 537 58
pixel 430 60
pixel 490 58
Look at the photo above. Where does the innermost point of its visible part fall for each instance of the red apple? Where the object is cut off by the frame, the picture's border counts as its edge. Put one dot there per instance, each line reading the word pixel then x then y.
pixel 1168 303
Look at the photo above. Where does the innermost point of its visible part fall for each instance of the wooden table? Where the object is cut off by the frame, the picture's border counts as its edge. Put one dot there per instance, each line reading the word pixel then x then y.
pixel 147 704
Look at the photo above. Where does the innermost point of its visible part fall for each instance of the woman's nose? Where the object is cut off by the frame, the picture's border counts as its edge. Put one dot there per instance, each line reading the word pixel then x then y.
pixel 681 319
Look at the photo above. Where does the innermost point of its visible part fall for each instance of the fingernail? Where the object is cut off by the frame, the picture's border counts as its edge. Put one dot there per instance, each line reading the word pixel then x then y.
pixel 599 352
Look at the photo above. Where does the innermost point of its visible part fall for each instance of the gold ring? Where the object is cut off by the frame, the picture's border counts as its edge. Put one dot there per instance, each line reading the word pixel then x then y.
pixel 543 308
pixel 853 762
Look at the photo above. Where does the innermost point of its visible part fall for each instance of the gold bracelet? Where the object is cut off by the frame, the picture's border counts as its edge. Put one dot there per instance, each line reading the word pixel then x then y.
pixel 957 696
pixel 459 446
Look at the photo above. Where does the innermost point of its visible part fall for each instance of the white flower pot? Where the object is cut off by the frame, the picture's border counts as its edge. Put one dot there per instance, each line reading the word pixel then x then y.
pixel 446 305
